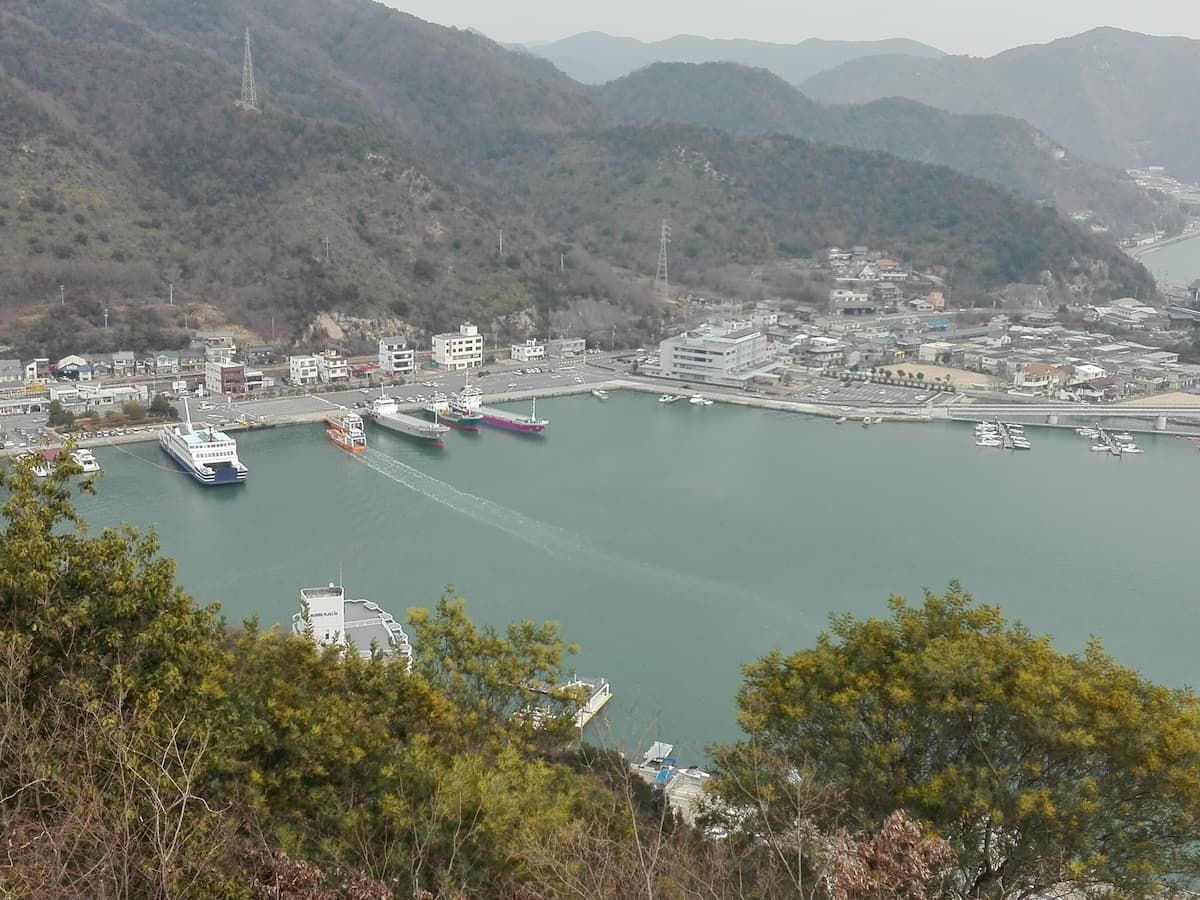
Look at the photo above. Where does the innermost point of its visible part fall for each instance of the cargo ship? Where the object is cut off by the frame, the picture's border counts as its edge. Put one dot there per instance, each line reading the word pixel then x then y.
pixel 385 412
pixel 346 430
pixel 209 456
pixel 472 398
pixel 452 412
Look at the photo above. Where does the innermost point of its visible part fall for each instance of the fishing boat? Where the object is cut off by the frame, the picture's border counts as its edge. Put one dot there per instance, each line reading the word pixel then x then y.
pixel 600 393
pixel 345 429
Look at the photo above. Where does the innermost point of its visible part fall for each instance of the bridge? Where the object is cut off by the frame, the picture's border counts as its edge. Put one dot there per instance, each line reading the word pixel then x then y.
pixel 1054 413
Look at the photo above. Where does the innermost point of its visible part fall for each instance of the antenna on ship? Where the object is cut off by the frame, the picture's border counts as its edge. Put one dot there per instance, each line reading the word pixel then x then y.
pixel 661 281
pixel 249 101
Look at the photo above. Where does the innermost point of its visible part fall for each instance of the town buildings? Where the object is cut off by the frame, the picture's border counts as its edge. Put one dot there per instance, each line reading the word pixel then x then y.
pixel 333 368
pixel 303 370
pixel 396 357
pixel 726 354
pixel 529 351
pixel 455 351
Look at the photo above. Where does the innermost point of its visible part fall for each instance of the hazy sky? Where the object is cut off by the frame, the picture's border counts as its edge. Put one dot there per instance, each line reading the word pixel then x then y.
pixel 978 27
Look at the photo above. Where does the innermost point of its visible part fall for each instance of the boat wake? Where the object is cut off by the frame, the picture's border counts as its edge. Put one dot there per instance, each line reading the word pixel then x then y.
pixel 552 540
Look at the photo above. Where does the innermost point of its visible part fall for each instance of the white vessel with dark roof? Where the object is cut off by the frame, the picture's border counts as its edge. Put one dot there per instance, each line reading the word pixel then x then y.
pixel 330 619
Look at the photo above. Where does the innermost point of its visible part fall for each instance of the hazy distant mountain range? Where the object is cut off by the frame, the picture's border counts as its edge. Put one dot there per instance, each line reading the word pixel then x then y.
pixel 1117 97
pixel 594 57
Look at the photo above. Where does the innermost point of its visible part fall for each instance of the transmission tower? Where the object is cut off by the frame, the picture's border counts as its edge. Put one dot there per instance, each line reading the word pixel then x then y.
pixel 661 282
pixel 249 101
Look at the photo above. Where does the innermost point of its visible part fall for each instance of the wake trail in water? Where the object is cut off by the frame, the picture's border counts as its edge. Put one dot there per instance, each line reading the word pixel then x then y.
pixel 557 542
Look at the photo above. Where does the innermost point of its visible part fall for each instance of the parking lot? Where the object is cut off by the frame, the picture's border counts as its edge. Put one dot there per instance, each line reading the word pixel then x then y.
pixel 862 394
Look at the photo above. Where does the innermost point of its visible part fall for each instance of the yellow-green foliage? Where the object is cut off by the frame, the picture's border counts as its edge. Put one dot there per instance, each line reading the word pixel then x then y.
pixel 1038 766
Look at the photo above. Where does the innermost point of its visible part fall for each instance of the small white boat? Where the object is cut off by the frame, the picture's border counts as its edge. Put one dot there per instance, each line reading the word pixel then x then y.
pixel 1087 432
pixel 85 460
pixel 1131 448
pixel 840 421
pixel 1123 436
pixel 988 443
pixel 696 400
pixel 600 394
pixel 666 398
pixel 1099 448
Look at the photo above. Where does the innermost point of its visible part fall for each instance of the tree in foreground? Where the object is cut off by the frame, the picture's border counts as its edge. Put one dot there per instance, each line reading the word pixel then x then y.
pixel 1042 770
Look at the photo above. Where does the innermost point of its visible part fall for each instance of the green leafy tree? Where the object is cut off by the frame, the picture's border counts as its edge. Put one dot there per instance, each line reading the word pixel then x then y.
pixel 59 415
pixel 134 411
pixel 1038 767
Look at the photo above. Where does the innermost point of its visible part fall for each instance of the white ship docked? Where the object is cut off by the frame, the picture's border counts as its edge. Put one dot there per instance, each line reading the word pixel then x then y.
pixel 330 619
pixel 208 455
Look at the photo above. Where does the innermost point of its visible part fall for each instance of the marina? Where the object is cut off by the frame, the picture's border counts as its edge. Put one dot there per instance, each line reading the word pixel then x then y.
pixel 662 599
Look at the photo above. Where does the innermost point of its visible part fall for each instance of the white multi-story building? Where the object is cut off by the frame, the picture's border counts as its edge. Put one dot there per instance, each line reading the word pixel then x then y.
pixel 332 367
pixel 396 357
pixel 302 370
pixel 459 350
pixel 529 351
pixel 720 355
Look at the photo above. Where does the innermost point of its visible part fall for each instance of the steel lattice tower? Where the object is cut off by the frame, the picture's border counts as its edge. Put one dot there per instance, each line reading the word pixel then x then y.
pixel 661 281
pixel 249 99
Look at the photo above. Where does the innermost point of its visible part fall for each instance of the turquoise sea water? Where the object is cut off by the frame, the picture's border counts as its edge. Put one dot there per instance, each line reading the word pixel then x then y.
pixel 675 543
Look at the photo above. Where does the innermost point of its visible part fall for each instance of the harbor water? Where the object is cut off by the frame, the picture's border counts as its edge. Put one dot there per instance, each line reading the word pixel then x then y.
pixel 1177 263
pixel 674 542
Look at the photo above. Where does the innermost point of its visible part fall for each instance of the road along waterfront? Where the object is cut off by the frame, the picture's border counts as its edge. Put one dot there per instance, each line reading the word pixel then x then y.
pixel 676 542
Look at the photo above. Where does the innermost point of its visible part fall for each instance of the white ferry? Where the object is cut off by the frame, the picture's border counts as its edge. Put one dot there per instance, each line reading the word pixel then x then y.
pixel 359 625
pixel 209 456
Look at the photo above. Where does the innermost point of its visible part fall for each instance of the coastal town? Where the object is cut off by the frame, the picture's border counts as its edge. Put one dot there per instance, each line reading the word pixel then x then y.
pixel 881 321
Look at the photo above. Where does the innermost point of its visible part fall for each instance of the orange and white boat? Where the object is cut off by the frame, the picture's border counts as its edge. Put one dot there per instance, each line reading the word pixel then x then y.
pixel 346 430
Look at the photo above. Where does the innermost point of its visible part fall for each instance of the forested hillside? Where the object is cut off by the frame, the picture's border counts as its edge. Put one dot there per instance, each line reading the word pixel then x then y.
pixel 996 148
pixel 388 156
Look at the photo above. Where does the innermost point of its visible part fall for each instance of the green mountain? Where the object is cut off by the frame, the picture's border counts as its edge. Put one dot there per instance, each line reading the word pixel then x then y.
pixel 1109 95
pixel 595 57
pixel 751 199
pixel 1000 149
pixel 387 157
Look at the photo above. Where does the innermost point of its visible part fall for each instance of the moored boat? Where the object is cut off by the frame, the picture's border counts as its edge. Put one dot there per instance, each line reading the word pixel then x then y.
pixel 85 460
pixel 385 412
pixel 600 393
pixel 451 411
pixel 207 455
pixel 472 398
pixel 345 429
